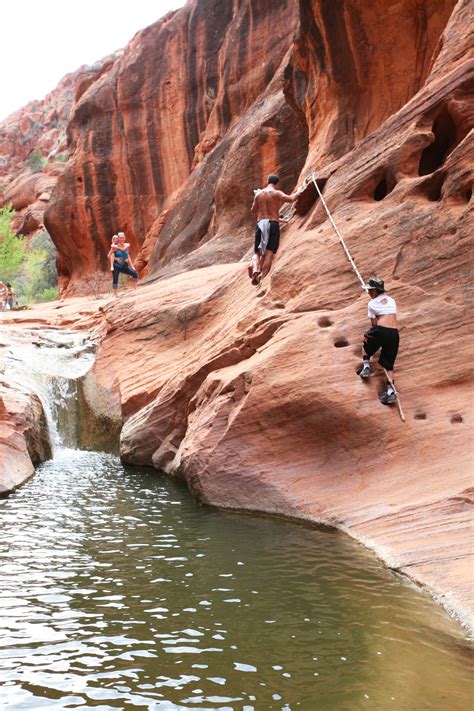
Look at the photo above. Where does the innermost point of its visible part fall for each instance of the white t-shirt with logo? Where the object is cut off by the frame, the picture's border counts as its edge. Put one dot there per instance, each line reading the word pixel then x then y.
pixel 381 305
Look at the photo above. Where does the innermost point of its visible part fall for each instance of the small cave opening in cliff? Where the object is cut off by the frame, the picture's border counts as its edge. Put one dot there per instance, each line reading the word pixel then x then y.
pixel 309 197
pixel 384 187
pixel 432 188
pixel 445 139
pixel 381 190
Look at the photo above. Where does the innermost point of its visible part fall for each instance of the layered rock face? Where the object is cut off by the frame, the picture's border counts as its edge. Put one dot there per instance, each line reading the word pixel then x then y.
pixel 169 142
pixel 39 127
pixel 252 396
pixel 24 439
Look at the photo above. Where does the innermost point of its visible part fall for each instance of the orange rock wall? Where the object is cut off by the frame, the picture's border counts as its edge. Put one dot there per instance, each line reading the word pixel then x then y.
pixel 38 126
pixel 206 102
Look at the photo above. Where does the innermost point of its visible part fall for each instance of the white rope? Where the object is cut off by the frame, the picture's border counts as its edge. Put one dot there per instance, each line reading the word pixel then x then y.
pixel 348 255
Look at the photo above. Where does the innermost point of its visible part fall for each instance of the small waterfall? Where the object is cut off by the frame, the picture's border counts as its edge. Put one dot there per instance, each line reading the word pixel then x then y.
pixel 49 363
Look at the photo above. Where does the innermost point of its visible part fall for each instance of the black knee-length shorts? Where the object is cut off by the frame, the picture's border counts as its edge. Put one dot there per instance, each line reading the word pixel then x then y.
pixel 273 239
pixel 388 339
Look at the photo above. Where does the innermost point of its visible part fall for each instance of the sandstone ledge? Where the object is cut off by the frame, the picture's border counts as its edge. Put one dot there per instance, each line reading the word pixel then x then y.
pixel 23 436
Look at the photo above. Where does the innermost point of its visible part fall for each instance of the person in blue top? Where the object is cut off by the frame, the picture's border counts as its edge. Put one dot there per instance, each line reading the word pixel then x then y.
pixel 122 263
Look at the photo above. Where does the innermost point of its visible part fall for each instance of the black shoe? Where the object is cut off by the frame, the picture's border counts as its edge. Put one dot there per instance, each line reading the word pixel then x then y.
pixel 256 278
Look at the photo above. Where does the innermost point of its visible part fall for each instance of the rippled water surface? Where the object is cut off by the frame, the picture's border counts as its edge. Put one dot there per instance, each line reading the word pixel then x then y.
pixel 117 591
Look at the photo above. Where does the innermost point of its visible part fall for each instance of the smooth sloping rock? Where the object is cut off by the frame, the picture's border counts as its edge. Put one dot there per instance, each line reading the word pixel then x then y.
pixel 24 438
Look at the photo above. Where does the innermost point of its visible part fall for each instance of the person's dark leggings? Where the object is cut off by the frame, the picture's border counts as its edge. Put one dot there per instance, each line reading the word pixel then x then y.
pixel 122 269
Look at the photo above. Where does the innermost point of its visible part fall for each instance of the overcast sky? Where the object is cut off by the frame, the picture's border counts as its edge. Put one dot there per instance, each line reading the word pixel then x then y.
pixel 42 41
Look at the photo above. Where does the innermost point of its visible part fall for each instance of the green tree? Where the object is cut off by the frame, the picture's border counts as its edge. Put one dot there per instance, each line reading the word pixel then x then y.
pixel 38 277
pixel 12 249
pixel 36 161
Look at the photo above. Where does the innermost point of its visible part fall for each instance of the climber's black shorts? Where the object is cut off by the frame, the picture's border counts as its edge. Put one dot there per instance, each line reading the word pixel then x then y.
pixel 273 239
pixel 386 338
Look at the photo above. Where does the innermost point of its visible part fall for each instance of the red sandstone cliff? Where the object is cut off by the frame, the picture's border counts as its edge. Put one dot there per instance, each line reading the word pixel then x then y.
pixel 40 127
pixel 169 143
pixel 252 397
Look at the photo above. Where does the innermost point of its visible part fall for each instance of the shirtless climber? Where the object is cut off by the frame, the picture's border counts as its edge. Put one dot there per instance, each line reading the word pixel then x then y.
pixel 265 207
pixel 382 312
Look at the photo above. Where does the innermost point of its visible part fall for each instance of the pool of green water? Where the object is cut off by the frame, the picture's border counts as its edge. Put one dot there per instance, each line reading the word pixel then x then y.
pixel 118 591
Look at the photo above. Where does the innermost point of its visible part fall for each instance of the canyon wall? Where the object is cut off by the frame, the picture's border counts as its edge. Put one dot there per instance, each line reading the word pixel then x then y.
pixel 33 148
pixel 169 142
pixel 251 395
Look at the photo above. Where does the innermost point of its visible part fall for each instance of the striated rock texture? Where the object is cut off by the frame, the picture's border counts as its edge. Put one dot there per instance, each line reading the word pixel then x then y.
pixel 170 141
pixel 24 438
pixel 252 396
pixel 39 127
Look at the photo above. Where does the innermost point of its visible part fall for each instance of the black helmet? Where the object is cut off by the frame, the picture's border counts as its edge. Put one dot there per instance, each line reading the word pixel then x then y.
pixel 375 283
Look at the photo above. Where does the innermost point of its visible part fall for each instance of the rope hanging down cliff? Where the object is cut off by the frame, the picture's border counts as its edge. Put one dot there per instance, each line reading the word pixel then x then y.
pixel 348 254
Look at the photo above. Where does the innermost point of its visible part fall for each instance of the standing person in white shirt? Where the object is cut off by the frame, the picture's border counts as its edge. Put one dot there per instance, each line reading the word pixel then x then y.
pixel 382 312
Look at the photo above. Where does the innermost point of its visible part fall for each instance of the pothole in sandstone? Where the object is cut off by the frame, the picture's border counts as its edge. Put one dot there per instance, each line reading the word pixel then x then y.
pixel 309 197
pixel 377 186
pixel 456 418
pixel 341 342
pixel 325 322
pixel 420 415
pixel 446 138
pixel 432 188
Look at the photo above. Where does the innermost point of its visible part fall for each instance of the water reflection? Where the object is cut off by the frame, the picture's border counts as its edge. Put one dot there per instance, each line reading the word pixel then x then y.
pixel 118 591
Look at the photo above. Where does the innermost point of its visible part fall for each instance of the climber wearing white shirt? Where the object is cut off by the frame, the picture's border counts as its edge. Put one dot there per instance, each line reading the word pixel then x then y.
pixel 382 311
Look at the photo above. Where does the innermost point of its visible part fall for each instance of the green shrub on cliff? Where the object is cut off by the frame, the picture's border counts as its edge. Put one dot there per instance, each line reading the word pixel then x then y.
pixel 39 274
pixel 12 249
pixel 36 161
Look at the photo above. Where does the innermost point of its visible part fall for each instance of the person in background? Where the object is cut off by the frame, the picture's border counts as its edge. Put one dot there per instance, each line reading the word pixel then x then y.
pixel 122 263
pixel 114 247
pixel 3 294
pixel 382 311
pixel 9 297
pixel 265 207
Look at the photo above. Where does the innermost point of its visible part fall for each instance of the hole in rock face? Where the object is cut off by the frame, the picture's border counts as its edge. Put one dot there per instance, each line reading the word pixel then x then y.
pixel 468 195
pixel 420 416
pixel 456 418
pixel 309 197
pixel 341 343
pixel 445 139
pixel 432 187
pixel 324 322
pixel 381 190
